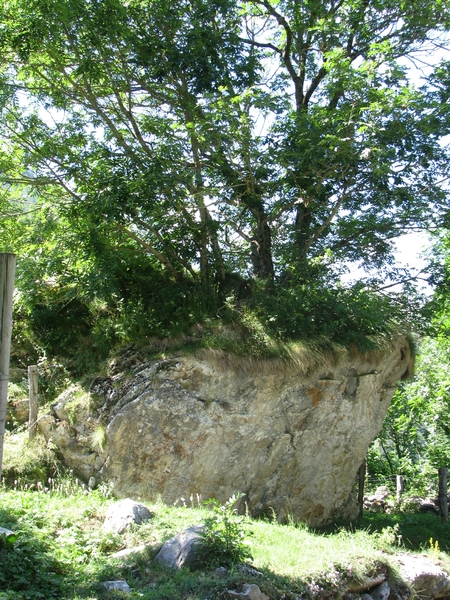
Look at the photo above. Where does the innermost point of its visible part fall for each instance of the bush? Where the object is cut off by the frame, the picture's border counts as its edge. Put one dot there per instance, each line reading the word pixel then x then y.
pixel 328 310
pixel 223 535
pixel 28 570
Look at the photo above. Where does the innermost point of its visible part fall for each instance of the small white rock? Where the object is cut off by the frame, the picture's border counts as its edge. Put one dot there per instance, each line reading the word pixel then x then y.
pixel 121 515
pixel 120 585
pixel 250 591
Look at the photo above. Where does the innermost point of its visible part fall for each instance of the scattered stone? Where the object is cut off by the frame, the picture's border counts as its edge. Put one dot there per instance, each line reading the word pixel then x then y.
pixel 246 570
pixel 361 585
pixel 382 492
pixel 18 411
pixel 250 591
pixel 428 579
pixel 362 596
pixel 221 572
pixel 429 505
pixel 400 591
pixel 123 514
pixel 377 502
pixel 182 550
pixel 6 532
pixel 120 585
pixel 92 483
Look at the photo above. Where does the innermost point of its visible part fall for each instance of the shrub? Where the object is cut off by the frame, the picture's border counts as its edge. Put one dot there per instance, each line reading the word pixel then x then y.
pixel 28 569
pixel 223 535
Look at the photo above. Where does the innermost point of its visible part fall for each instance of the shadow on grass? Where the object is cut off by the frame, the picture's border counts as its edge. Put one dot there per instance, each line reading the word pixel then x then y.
pixel 416 529
pixel 157 583
pixel 27 568
pixel 153 582
pixel 31 569
pixel 413 530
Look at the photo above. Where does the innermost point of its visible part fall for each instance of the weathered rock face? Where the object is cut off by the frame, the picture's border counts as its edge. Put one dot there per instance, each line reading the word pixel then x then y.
pixel 291 441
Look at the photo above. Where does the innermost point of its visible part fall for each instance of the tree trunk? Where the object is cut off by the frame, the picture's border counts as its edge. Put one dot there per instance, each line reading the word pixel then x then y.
pixel 399 487
pixel 443 499
pixel 361 482
pixel 33 401
pixel 302 231
pixel 7 272
pixel 261 248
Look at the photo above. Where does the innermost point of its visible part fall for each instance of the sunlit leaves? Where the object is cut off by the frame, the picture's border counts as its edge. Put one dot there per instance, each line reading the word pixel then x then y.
pixel 263 136
pixel 416 427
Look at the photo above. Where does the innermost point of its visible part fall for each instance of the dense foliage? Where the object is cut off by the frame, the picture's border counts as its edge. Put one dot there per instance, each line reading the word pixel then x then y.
pixel 223 536
pixel 162 160
pixel 415 439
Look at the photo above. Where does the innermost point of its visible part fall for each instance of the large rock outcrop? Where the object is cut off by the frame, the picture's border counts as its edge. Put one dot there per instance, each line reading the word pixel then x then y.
pixel 289 436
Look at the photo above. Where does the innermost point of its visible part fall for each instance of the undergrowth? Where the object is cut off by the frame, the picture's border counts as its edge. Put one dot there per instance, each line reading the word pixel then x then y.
pixel 82 332
pixel 27 463
pixel 59 549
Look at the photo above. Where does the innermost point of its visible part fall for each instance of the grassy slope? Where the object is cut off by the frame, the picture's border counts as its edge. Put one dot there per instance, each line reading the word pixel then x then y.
pixel 61 552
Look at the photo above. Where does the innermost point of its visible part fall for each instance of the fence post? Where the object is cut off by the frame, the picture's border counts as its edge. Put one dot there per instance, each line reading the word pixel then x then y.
pixel 361 481
pixel 33 400
pixel 443 499
pixel 399 487
pixel 7 272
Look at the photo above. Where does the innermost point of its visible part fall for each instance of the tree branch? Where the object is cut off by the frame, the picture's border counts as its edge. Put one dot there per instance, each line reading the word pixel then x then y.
pixel 162 259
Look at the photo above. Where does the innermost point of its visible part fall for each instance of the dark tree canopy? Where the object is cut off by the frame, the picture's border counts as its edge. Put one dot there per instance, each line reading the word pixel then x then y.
pixel 277 140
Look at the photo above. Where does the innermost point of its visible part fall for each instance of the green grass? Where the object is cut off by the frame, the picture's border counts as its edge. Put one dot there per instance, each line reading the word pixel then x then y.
pixel 25 463
pixel 61 552
pixel 413 530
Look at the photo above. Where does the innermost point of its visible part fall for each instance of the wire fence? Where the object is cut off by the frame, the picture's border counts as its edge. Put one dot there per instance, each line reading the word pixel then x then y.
pixel 424 485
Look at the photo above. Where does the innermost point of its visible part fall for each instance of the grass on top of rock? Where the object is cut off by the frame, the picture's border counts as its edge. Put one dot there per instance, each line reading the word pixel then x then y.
pixel 269 323
pixel 62 552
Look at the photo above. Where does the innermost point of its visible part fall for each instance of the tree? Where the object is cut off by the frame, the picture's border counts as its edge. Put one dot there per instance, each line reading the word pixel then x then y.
pixel 275 139
pixel 437 309
pixel 415 439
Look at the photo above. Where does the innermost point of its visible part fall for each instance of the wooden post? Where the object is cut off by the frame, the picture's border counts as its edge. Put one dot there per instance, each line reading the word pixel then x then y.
pixel 443 499
pixel 7 272
pixel 33 400
pixel 399 487
pixel 361 481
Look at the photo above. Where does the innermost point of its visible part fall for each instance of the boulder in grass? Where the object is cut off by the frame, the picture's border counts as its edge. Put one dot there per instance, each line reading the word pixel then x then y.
pixel 426 577
pixel 380 592
pixel 250 591
pixel 125 513
pixel 183 550
pixel 119 585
